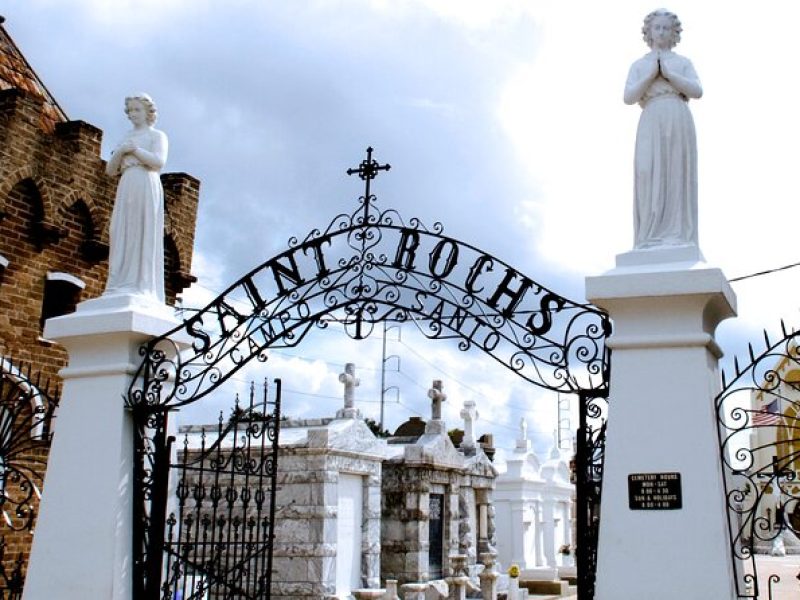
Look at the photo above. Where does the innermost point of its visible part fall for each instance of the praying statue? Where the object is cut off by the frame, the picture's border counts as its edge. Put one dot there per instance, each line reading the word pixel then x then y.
pixel 136 254
pixel 665 160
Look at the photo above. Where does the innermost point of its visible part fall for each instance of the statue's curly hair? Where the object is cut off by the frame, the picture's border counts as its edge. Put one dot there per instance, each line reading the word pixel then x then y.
pixel 149 106
pixel 676 26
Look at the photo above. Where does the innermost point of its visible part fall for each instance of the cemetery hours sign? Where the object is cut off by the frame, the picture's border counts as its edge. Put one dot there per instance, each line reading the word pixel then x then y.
pixel 654 491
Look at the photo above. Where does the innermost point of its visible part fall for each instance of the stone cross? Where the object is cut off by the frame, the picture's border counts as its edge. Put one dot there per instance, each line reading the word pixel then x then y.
pixel 351 382
pixel 523 443
pixel 438 396
pixel 470 415
pixel 556 450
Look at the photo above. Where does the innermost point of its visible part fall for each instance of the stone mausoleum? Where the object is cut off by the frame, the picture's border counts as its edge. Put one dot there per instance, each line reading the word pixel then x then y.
pixel 436 498
pixel 354 510
pixel 534 501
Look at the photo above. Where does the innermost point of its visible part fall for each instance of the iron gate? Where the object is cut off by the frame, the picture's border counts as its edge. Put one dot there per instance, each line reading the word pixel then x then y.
pixel 370 266
pixel 212 507
pixel 590 453
pixel 27 409
pixel 758 421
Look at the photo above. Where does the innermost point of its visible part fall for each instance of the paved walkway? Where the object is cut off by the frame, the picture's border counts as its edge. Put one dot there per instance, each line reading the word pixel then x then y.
pixel 785 567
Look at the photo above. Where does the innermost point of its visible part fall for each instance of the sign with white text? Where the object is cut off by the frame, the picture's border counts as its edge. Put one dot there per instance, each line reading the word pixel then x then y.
pixel 654 491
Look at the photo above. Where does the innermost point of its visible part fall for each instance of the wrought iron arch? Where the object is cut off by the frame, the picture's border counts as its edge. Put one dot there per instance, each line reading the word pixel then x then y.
pixel 368 266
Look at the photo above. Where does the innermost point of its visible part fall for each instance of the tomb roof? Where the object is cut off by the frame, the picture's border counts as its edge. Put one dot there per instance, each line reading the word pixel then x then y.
pixel 414 427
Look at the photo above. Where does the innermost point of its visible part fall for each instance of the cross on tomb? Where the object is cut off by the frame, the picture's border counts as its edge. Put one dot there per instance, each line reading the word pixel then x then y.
pixel 438 396
pixel 555 451
pixel 351 382
pixel 522 441
pixel 470 415
pixel 367 171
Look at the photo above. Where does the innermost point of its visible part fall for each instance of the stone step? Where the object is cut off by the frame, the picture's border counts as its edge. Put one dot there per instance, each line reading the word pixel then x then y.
pixel 559 588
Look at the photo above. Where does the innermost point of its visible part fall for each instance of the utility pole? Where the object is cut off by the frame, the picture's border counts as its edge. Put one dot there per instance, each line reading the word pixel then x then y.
pixel 564 429
pixel 384 359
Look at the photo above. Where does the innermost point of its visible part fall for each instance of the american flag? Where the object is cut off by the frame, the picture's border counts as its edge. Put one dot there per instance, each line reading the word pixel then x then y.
pixel 768 415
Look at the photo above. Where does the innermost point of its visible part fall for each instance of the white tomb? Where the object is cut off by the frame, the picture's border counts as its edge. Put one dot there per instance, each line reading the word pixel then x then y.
pixel 534 500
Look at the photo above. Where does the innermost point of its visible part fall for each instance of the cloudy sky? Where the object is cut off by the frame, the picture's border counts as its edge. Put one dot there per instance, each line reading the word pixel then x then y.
pixel 503 120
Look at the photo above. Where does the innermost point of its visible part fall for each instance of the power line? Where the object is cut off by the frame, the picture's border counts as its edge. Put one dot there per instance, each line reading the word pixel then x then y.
pixel 767 272
pixel 457 381
pixel 412 380
pixel 306 359
pixel 442 371
pixel 408 408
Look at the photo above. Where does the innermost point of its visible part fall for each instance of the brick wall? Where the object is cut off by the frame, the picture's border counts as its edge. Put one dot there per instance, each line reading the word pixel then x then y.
pixel 55 206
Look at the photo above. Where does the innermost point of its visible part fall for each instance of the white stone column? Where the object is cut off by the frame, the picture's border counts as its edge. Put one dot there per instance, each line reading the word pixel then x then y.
pixel 518 532
pixel 513 588
pixel 538 521
pixel 565 524
pixel 663 382
pixel 83 543
pixel 488 577
pixel 549 531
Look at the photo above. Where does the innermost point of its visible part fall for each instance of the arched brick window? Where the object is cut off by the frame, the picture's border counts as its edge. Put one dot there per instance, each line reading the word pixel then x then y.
pixel 61 293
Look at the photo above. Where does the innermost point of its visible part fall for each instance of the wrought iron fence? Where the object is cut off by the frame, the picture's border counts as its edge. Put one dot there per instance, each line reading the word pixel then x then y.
pixel 588 483
pixel 758 422
pixel 211 531
pixel 366 267
pixel 27 408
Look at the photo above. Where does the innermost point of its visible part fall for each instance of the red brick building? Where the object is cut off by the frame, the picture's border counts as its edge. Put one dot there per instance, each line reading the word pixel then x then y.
pixel 55 207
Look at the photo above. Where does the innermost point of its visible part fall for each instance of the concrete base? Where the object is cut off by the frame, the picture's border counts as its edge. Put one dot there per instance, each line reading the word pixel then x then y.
pixel 83 543
pixel 540 574
pixel 660 256
pixel 541 588
pixel 661 419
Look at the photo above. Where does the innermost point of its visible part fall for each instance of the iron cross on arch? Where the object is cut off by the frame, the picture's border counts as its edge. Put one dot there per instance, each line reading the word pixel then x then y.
pixel 367 171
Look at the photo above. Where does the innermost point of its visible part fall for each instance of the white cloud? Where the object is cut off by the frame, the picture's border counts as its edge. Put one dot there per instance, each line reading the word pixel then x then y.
pixel 504 120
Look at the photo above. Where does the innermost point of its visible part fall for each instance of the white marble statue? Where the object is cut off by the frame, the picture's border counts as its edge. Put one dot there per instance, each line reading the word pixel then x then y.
pixel 665 161
pixel 136 255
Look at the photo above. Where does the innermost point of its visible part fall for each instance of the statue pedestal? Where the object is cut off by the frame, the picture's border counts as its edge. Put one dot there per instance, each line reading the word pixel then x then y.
pixel 661 257
pixel 662 420
pixel 83 542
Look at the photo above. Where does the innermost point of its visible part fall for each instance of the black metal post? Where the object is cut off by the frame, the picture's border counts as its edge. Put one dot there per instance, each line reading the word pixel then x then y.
pixel 584 512
pixel 158 509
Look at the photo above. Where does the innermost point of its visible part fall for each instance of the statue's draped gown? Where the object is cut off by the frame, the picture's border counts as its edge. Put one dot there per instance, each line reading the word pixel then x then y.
pixel 665 163
pixel 136 255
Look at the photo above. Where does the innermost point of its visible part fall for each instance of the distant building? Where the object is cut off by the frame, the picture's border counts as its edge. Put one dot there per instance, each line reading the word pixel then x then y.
pixel 354 510
pixel 774 441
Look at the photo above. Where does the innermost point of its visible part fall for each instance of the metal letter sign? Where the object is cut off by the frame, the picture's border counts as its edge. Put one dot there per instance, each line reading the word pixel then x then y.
pixel 367 267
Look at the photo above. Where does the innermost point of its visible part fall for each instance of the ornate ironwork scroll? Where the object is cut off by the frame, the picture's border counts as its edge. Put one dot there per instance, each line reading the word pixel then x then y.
pixel 758 420
pixel 365 267
pixel 371 266
pixel 589 457
pixel 211 536
pixel 27 406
